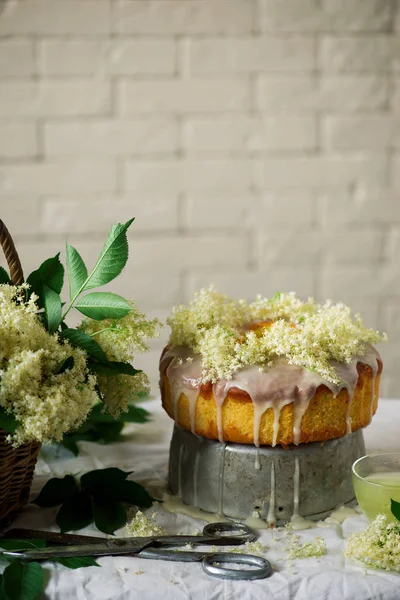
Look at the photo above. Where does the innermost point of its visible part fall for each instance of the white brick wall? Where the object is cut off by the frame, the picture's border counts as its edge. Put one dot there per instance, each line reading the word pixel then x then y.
pixel 257 142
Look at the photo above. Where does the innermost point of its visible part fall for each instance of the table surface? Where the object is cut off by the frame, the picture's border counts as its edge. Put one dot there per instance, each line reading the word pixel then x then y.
pixel 144 450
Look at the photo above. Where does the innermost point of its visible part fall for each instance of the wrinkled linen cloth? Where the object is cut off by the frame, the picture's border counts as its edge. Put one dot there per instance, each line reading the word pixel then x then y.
pixel 144 450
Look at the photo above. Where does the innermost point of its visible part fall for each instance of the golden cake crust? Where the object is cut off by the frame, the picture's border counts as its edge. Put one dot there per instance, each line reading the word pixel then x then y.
pixel 324 419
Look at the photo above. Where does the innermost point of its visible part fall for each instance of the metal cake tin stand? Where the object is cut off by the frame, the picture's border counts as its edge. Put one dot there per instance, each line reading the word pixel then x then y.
pixel 234 480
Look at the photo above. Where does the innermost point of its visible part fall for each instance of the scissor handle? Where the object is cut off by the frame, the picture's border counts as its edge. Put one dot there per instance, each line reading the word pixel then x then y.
pixel 213 564
pixel 238 530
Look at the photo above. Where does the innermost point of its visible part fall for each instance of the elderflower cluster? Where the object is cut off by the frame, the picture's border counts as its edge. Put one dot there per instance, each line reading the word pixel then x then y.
pixel 120 339
pixel 296 550
pixel 143 526
pixel 255 548
pixel 307 334
pixel 378 546
pixel 46 402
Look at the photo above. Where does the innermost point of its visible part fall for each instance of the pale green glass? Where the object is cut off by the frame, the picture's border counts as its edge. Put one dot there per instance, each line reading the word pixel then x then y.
pixel 376 480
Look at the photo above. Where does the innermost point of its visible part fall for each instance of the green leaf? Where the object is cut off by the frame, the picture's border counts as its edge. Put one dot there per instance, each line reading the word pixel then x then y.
pixel 92 432
pixel 109 432
pixel 135 414
pixel 276 297
pixel 77 271
pixel 56 491
pixel 8 422
pixel 76 513
pixel 3 593
pixel 83 340
pixel 4 276
pixel 113 368
pixel 50 273
pixel 23 581
pixel 52 308
pixel 97 415
pixel 112 484
pixel 103 478
pixel 395 508
pixel 47 282
pixel 21 544
pixel 66 365
pixel 70 444
pixel 112 259
pixel 103 305
pixel 134 493
pixel 109 515
pixel 76 562
pixel 102 427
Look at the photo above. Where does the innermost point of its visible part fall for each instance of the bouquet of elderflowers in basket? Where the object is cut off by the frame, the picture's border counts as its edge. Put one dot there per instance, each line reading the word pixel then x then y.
pixel 52 375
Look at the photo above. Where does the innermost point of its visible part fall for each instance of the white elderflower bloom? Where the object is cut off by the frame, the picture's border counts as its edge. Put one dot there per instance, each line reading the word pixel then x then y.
pixel 119 340
pixel 46 402
pixel 296 550
pixel 232 334
pixel 378 546
pixel 143 526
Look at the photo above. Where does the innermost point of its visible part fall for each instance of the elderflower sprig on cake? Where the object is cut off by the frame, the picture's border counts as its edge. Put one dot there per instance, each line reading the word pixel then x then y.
pixel 52 375
pixel 308 334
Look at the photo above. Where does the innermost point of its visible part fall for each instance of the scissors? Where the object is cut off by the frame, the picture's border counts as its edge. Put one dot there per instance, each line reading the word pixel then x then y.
pixel 155 547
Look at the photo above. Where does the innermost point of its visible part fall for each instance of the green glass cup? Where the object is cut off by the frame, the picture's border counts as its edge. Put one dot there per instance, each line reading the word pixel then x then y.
pixel 376 480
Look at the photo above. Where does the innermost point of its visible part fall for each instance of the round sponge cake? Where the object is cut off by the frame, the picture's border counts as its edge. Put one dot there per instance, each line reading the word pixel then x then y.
pixel 275 371
pixel 326 416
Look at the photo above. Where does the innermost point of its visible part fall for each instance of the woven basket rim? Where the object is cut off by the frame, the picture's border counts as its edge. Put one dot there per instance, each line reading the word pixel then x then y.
pixel 11 255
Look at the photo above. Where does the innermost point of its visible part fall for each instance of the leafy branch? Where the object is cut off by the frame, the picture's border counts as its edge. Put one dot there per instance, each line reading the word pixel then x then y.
pixel 109 265
pixel 47 282
pixel 99 496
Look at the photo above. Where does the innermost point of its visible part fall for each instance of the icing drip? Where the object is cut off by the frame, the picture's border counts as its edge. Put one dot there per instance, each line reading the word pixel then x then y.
pixel 184 378
pixel 371 406
pixel 275 388
pixel 296 487
pixel 373 363
pixel 176 506
pixel 195 477
pixel 340 514
pixel 297 522
pixel 271 517
pixel 181 451
pixel 220 392
pixel 221 481
pixel 349 375
pixel 257 464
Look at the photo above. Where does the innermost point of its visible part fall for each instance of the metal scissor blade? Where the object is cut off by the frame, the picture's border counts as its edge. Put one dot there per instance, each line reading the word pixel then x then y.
pixel 67 539
pixel 105 548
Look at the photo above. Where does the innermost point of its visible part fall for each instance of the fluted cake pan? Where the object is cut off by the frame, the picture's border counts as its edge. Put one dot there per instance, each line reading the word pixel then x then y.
pixel 234 480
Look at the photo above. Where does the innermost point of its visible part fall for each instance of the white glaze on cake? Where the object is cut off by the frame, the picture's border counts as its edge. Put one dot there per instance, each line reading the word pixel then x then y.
pixel 271 517
pixel 181 451
pixel 184 377
pixel 221 481
pixel 275 388
pixel 195 477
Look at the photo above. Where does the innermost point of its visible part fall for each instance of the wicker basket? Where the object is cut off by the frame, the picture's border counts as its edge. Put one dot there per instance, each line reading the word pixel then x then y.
pixel 16 465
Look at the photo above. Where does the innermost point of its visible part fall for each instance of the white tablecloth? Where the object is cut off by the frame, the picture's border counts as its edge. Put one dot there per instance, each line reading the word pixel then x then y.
pixel 145 451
